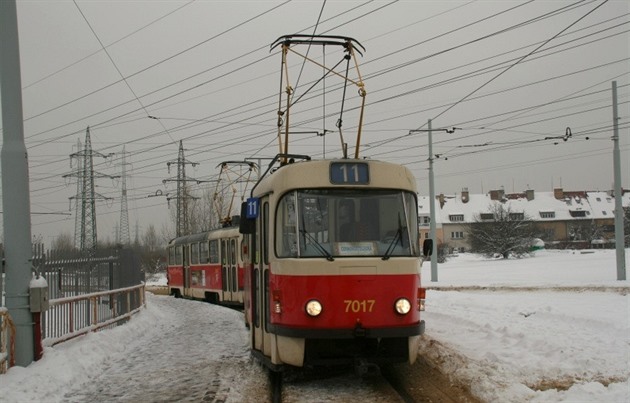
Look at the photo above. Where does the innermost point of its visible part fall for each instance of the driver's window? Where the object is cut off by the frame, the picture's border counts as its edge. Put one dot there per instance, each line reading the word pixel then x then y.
pixel 286 221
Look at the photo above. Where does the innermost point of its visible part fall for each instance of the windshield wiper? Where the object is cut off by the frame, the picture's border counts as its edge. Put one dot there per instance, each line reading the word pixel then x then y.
pixel 392 244
pixel 318 245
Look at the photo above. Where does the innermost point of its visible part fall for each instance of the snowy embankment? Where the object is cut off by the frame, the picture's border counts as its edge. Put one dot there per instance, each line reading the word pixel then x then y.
pixel 549 328
pixel 552 327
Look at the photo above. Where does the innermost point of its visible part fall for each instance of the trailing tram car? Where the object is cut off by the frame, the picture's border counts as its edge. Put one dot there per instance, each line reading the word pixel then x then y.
pixel 207 266
pixel 332 264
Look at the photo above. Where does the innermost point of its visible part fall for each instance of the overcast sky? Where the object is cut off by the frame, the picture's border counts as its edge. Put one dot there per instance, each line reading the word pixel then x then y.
pixel 507 74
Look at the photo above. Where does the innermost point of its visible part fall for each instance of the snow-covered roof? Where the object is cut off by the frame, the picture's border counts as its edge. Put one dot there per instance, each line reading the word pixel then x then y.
pixel 539 206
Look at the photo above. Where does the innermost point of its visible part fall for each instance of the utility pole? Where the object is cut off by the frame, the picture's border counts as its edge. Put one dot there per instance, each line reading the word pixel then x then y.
pixel 15 188
pixel 432 224
pixel 619 232
pixel 434 270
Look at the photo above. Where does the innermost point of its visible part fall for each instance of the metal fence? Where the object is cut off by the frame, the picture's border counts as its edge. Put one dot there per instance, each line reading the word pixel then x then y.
pixel 70 273
pixel 85 293
pixel 70 317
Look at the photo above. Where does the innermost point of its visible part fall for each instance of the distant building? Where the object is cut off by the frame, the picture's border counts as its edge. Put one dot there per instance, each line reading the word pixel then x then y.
pixel 566 219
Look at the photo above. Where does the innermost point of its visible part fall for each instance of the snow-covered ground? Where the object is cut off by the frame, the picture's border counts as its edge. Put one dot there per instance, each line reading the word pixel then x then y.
pixel 550 328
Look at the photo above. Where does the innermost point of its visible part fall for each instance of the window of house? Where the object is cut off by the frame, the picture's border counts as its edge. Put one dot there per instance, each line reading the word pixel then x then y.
pixel 486 216
pixel 457 235
pixel 517 216
pixel 456 217
pixel 578 213
pixel 547 214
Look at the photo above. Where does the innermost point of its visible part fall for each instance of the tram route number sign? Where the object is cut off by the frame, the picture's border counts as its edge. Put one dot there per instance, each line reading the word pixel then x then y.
pixel 349 173
pixel 253 204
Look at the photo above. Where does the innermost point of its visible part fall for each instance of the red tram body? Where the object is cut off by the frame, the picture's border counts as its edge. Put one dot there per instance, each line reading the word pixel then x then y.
pixel 207 266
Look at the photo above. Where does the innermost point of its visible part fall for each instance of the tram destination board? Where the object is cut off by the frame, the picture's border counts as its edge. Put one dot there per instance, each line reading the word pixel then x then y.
pixel 349 173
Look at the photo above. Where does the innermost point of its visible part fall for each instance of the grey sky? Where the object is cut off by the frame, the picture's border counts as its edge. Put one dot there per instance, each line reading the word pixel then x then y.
pixel 205 69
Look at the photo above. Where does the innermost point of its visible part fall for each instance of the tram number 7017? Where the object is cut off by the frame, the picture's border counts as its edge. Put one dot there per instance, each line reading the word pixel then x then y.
pixel 355 306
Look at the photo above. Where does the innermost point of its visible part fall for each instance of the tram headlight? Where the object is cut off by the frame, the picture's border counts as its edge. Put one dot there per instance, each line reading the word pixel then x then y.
pixel 403 306
pixel 313 308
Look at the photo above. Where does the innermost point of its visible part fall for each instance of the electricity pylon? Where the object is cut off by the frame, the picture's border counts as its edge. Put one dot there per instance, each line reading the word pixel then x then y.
pixel 124 236
pixel 86 238
pixel 182 196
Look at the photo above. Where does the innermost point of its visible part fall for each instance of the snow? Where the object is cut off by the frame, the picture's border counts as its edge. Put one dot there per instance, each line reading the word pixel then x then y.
pixel 553 327
pixel 38 282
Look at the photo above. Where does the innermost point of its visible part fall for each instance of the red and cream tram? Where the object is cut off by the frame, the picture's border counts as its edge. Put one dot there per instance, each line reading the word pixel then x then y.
pixel 207 266
pixel 333 269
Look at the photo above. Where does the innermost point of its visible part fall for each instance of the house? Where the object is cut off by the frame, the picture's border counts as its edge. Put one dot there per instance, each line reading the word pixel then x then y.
pixel 575 219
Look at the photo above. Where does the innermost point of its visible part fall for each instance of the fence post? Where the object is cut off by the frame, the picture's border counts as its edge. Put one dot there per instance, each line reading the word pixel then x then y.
pixel 38 301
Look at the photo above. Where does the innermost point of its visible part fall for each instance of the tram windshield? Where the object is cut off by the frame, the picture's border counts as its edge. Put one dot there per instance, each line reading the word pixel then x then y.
pixel 335 223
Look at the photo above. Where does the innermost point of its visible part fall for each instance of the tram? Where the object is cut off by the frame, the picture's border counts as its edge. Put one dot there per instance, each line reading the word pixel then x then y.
pixel 332 273
pixel 207 266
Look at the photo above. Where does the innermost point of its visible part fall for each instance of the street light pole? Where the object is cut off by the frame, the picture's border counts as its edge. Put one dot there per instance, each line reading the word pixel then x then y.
pixel 619 230
pixel 434 270
pixel 432 224
pixel 15 189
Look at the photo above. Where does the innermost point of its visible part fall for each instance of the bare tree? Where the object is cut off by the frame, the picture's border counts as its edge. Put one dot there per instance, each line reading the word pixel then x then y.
pixel 151 250
pixel 501 231
pixel 63 242
pixel 150 239
pixel 584 231
pixel 203 216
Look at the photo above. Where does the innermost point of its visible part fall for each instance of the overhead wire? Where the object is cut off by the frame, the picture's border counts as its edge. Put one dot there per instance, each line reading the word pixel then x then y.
pixel 263 147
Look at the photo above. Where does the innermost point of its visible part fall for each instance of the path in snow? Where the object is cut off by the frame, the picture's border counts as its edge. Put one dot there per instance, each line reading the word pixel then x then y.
pixel 178 359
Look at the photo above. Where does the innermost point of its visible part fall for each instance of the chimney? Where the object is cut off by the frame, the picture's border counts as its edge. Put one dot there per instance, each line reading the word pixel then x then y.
pixel 465 195
pixel 497 194
pixel 558 193
pixel 441 199
pixel 529 193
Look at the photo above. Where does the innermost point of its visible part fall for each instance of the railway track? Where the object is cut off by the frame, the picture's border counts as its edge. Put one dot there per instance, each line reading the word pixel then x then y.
pixel 405 383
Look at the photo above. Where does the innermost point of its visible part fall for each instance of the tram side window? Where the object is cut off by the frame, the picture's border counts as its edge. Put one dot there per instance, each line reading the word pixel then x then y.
pixel 265 224
pixel 178 255
pixel 286 244
pixel 203 252
pixel 194 253
pixel 233 251
pixel 214 251
pixel 171 256
pixel 412 211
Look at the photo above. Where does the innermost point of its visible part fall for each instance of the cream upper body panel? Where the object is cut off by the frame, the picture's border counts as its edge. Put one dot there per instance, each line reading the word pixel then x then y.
pixel 316 174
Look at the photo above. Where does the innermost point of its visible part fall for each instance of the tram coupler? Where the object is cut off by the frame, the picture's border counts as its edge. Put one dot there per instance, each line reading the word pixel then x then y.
pixel 364 368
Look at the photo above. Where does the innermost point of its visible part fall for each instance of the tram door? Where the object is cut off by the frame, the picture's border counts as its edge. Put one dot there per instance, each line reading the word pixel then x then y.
pixel 186 262
pixel 229 277
pixel 260 284
pixel 228 268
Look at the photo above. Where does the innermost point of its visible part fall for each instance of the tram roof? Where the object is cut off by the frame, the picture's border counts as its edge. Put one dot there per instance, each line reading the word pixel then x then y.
pixel 204 236
pixel 317 174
